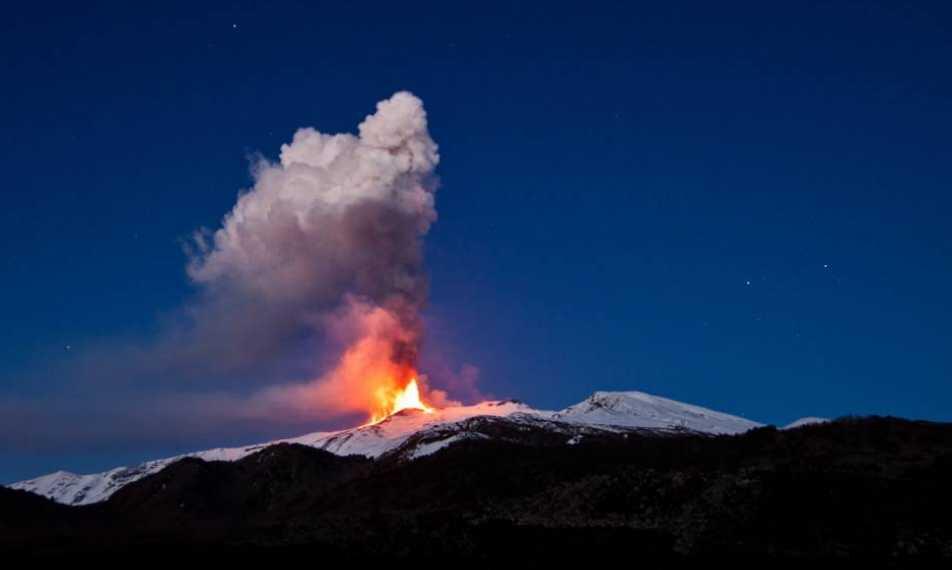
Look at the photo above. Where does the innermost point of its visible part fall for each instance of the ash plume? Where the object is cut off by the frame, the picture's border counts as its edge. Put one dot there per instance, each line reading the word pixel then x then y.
pixel 314 280
pixel 339 214
pixel 332 231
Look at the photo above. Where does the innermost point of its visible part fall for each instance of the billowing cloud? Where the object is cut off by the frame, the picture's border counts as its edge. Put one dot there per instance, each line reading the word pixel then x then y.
pixel 311 288
pixel 336 224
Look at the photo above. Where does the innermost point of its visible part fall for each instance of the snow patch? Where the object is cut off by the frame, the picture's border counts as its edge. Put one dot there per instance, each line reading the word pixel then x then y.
pixel 810 420
pixel 432 447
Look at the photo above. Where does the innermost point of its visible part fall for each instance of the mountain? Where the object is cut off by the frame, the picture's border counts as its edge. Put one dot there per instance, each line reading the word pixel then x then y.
pixel 640 410
pixel 510 490
pixel 412 434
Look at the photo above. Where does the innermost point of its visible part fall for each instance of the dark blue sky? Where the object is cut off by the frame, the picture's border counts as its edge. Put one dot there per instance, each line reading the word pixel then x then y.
pixel 738 205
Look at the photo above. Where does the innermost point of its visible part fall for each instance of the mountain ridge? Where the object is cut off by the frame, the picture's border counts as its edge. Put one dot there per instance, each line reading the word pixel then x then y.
pixel 869 488
pixel 427 433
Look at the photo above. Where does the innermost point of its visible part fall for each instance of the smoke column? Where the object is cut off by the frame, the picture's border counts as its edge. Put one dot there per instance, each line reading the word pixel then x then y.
pixel 329 240
pixel 307 307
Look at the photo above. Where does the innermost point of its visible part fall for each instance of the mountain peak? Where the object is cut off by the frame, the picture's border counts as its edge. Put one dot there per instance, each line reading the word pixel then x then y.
pixel 643 410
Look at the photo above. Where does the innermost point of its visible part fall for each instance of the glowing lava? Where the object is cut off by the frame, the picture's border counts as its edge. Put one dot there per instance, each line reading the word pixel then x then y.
pixel 394 400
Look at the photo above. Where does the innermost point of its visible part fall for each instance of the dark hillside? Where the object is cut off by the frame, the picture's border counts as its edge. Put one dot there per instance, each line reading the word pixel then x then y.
pixel 873 488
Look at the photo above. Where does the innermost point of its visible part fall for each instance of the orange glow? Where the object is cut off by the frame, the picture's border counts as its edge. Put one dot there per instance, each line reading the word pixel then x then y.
pixel 391 400
pixel 376 374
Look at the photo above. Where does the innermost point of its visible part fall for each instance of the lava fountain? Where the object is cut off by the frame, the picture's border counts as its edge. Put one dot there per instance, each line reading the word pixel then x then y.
pixel 392 400
pixel 377 372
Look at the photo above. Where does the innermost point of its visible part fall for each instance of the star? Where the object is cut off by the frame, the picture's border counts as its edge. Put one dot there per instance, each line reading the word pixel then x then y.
pixel 234 26
pixel 747 282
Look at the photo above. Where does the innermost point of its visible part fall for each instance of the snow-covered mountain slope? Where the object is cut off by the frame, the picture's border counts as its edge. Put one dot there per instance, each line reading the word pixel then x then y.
pixel 637 409
pixel 411 434
pixel 370 440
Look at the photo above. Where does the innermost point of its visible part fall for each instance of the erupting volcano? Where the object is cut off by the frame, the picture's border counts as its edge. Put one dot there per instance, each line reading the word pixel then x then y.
pixel 328 246
pixel 393 400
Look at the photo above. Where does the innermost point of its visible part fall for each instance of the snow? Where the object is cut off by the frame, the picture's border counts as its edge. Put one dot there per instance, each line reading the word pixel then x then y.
pixel 602 410
pixel 809 420
pixel 376 439
pixel 370 440
pixel 432 447
pixel 641 410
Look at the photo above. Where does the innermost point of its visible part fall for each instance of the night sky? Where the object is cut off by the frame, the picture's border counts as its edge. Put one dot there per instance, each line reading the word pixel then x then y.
pixel 738 205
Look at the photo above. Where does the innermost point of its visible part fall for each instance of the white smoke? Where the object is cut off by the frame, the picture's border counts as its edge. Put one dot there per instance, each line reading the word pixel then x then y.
pixel 300 234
